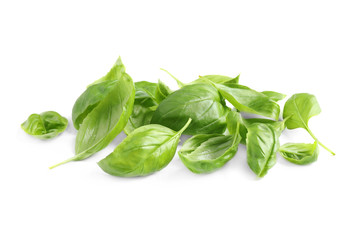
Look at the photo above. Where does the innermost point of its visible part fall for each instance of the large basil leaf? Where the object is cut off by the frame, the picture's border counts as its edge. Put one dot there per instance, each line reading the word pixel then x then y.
pixel 106 120
pixel 146 150
pixel 200 102
pixel 205 153
pixel 299 109
pixel 247 100
pixel 45 125
pixel 262 143
pixel 300 153
pixel 96 92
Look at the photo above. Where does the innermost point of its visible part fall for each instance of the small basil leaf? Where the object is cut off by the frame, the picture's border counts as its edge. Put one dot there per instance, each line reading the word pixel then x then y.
pixel 146 89
pixel 141 115
pixel 262 143
pixel 162 91
pixel 146 150
pixel 300 153
pixel 205 153
pixel 299 109
pixel 106 120
pixel 216 79
pixel 200 102
pixel 45 125
pixel 247 100
pixel 275 96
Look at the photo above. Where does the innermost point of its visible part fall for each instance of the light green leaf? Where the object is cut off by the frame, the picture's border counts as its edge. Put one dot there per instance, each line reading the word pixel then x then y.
pixel 45 125
pixel 247 100
pixel 275 96
pixel 300 153
pixel 146 150
pixel 262 143
pixel 299 109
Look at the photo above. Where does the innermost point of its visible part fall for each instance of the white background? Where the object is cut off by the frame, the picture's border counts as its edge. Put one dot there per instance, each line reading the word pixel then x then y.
pixel 51 50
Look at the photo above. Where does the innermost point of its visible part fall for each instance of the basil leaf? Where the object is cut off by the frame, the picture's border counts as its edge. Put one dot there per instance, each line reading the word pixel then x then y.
pixel 162 91
pixel 200 102
pixel 205 79
pixel 299 109
pixel 146 150
pixel 106 120
pixel 145 105
pixel 206 153
pixel 234 117
pixel 247 100
pixel 95 93
pixel 300 153
pixel 45 125
pixel 262 143
pixel 216 79
pixel 275 96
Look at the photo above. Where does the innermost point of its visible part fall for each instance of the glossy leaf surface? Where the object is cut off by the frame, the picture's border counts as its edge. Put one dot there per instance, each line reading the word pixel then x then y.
pixel 247 100
pixel 96 92
pixel 205 153
pixel 45 125
pixel 299 109
pixel 300 153
pixel 146 150
pixel 200 102
pixel 106 120
pixel 262 144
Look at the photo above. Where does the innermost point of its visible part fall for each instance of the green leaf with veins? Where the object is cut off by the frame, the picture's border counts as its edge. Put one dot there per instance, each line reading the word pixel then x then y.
pixel 146 150
pixel 299 109
pixel 300 153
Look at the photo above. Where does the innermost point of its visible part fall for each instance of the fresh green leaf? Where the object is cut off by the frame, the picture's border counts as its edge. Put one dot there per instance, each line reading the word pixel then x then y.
pixel 262 143
pixel 200 102
pixel 275 96
pixel 300 153
pixel 45 125
pixel 106 120
pixel 205 153
pixel 115 73
pixel 299 109
pixel 146 150
pixel 247 100
pixel 96 92
pixel 145 105
pixel 205 79
pixel 216 79
pixel 162 91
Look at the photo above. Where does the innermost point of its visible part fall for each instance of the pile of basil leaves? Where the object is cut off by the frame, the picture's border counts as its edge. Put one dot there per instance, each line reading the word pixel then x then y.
pixel 154 117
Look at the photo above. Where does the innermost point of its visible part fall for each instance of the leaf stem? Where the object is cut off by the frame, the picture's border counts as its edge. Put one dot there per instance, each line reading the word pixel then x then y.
pixel 185 126
pixel 180 83
pixel 317 140
pixel 63 162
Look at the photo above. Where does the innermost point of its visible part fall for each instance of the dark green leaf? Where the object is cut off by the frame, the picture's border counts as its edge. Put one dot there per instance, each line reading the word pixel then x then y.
pixel 146 150
pixel 200 102
pixel 45 125
pixel 299 109
pixel 300 153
